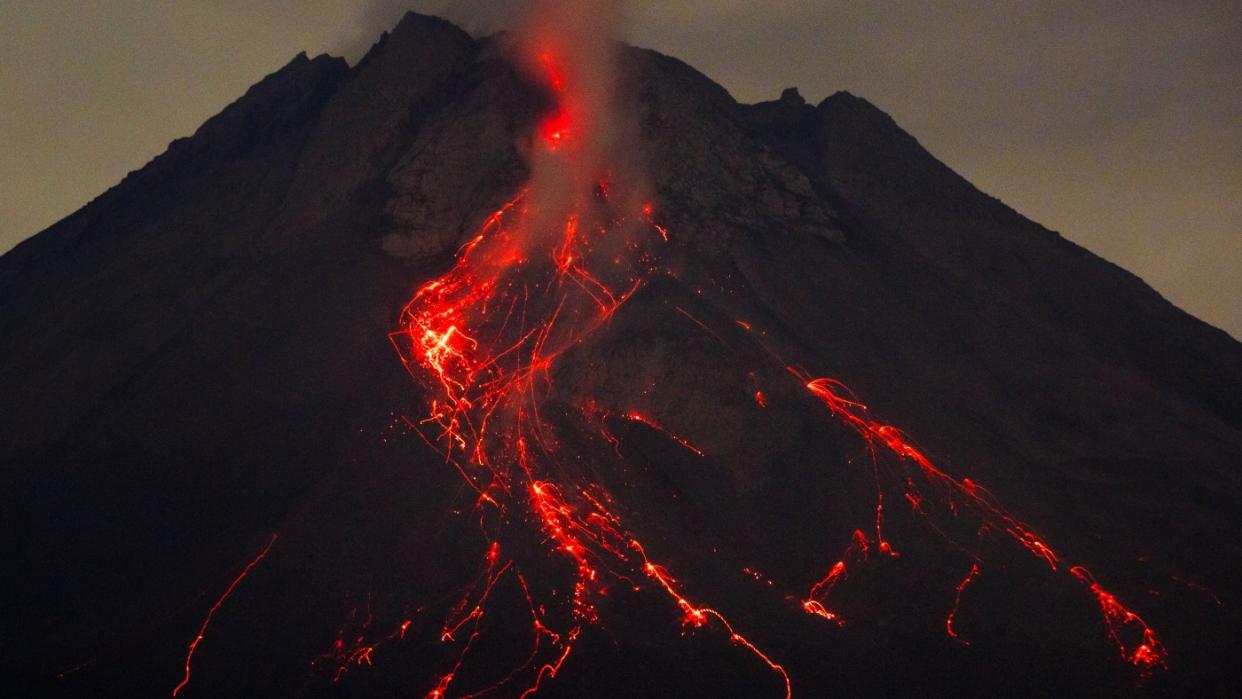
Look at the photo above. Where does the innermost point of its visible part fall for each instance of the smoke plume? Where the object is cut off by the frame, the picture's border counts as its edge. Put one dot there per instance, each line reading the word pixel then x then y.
pixel 584 143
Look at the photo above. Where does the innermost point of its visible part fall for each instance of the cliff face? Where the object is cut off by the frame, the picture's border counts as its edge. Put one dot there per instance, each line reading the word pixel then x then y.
pixel 199 357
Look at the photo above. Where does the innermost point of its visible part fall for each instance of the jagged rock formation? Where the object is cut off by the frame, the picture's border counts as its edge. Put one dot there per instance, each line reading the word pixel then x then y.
pixel 199 357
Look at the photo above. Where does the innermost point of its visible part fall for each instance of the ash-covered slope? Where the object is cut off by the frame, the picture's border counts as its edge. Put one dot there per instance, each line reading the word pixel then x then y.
pixel 200 358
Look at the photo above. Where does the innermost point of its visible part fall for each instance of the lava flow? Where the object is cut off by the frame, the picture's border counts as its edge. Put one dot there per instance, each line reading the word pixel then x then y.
pixel 539 277
pixel 202 630
pixel 484 338
pixel 546 271
pixel 542 275
pixel 1136 641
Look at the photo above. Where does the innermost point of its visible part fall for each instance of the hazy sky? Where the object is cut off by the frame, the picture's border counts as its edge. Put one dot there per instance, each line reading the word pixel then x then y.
pixel 1117 124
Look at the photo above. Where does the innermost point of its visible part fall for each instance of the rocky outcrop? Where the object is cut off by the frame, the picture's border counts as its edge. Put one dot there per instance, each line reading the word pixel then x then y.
pixel 366 128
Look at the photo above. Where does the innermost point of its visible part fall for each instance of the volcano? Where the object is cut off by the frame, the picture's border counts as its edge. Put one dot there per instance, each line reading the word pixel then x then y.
pixel 400 379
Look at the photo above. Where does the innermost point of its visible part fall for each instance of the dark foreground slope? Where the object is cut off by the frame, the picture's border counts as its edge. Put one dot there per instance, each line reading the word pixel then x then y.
pixel 199 358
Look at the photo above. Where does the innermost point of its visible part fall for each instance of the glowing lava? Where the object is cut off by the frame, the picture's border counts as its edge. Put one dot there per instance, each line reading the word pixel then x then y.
pixel 483 339
pixel 539 278
pixel 202 630
pixel 1136 641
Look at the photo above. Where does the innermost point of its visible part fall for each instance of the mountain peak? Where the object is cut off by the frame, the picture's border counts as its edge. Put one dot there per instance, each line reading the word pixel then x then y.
pixel 790 95
pixel 412 19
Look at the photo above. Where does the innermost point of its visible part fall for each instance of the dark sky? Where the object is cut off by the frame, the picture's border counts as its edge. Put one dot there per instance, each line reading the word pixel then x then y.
pixel 1117 124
